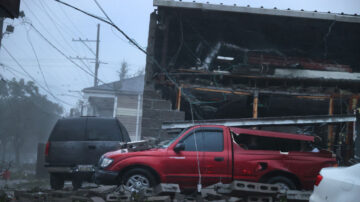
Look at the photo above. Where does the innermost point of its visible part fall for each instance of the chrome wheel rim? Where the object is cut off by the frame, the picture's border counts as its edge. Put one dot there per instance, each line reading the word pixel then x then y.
pixel 136 183
pixel 283 186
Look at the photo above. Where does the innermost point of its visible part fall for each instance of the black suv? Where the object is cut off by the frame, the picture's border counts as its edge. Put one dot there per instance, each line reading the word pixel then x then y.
pixel 75 146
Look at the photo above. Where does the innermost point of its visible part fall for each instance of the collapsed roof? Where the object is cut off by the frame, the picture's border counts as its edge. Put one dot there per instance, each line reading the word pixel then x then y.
pixel 222 56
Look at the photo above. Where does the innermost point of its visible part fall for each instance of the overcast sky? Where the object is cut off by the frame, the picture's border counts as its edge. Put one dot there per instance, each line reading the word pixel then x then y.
pixel 60 25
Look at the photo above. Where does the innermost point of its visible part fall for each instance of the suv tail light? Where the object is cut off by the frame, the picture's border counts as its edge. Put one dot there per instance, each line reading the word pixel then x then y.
pixel 47 148
pixel 318 180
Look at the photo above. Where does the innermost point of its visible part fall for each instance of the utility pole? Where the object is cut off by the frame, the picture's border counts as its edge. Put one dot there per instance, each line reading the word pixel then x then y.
pixel 97 62
pixel 97 56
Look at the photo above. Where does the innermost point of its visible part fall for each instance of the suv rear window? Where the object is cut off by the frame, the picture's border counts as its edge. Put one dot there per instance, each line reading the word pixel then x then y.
pixel 104 130
pixel 69 130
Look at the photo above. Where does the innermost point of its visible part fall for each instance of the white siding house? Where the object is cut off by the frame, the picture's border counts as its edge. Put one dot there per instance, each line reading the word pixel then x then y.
pixel 121 99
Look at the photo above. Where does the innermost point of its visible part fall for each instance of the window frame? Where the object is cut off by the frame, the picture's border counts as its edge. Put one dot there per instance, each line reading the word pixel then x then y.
pixel 204 129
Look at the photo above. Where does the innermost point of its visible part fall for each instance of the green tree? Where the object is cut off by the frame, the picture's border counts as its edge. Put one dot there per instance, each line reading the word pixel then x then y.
pixel 26 117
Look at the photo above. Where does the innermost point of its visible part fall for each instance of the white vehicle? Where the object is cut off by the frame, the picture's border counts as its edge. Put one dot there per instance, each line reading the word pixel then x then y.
pixel 337 185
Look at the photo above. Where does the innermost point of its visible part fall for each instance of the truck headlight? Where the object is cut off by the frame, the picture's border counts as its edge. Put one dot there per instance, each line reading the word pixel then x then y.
pixel 106 162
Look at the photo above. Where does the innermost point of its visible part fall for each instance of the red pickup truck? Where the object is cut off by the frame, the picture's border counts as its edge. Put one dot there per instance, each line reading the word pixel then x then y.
pixel 208 154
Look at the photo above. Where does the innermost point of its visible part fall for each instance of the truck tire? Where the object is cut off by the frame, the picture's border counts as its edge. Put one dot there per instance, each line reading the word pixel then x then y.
pixel 284 182
pixel 56 181
pixel 138 179
pixel 76 183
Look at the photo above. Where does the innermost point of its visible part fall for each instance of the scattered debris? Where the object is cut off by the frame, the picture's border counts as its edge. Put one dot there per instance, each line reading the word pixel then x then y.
pixel 237 191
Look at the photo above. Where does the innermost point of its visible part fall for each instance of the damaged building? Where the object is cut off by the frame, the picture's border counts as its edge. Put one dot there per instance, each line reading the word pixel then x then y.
pixel 229 62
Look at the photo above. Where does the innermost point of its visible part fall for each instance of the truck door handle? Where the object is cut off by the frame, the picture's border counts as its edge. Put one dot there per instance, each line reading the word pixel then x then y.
pixel 92 147
pixel 219 158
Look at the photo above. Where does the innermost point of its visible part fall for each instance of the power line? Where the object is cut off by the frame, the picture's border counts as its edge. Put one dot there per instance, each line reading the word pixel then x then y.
pixel 42 25
pixel 102 10
pixel 62 53
pixel 10 69
pixel 142 50
pixel 56 25
pixel 88 47
pixel 107 22
pixel 32 78
pixel 37 60
pixel 71 21
pixel 132 42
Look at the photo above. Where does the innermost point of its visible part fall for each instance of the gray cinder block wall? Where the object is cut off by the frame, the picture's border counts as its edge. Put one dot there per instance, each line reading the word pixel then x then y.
pixel 155 111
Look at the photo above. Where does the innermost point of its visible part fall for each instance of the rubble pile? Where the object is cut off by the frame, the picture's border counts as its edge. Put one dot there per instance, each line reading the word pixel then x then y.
pixel 237 191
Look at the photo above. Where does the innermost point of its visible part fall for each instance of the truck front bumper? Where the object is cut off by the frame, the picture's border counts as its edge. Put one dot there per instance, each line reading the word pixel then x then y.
pixel 106 177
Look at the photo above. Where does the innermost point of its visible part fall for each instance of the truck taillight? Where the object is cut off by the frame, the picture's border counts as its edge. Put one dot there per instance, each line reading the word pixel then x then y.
pixel 47 148
pixel 318 180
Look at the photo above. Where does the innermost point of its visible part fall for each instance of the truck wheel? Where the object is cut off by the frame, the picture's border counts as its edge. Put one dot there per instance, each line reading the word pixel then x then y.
pixel 56 181
pixel 138 179
pixel 76 183
pixel 284 183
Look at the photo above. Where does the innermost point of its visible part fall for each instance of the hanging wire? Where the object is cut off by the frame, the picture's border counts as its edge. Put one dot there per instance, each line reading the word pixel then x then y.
pixel 150 57
pixel 196 148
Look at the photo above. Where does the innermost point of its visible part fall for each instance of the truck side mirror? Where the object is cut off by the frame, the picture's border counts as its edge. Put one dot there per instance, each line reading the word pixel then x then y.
pixel 179 147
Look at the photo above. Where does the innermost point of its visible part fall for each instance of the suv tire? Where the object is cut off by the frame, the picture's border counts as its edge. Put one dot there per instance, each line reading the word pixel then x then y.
pixel 56 181
pixel 76 183
pixel 137 179
pixel 284 182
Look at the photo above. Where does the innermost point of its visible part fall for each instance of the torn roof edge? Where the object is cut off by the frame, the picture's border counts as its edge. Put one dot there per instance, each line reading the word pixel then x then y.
pixel 341 17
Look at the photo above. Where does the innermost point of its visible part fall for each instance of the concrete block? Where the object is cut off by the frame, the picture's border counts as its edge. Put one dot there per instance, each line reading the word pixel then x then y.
pixel 166 189
pixel 118 197
pixel 298 196
pixel 80 199
pixel 148 192
pixel 210 194
pixel 97 199
pixel 159 199
pixel 103 189
pixel 179 197
pixel 161 104
pixel 171 115
pixel 150 113
pixel 147 103
pixel 151 94
pixel 259 199
pixel 151 123
pixel 179 116
pixel 243 188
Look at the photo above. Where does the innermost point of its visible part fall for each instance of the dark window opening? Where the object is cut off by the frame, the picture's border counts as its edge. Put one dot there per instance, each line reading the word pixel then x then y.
pixel 103 130
pixel 210 141
pixel 69 130
pixel 252 142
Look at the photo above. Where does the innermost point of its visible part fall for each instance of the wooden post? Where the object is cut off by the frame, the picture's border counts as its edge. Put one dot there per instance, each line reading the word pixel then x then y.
pixel 350 130
pixel 178 98
pixel 330 127
pixel 255 104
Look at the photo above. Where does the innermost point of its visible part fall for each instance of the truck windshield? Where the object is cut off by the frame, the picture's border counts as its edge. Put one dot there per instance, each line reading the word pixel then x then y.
pixel 175 138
